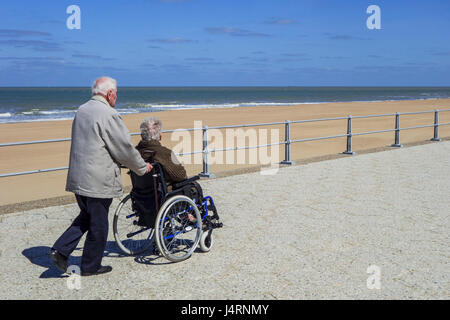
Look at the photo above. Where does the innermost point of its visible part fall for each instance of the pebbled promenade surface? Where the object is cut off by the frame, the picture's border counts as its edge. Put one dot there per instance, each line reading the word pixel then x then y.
pixel 307 232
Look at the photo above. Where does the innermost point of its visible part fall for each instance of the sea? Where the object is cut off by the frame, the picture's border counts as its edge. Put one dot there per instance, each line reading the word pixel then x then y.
pixel 59 103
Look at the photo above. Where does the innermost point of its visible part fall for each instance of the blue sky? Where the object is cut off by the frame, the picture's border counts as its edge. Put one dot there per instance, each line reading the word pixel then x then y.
pixel 225 43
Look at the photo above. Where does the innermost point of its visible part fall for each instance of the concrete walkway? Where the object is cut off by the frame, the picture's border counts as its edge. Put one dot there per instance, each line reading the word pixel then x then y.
pixel 308 232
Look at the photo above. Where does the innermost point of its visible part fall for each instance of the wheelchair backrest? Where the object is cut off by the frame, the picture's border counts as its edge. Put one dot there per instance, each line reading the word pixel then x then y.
pixel 146 184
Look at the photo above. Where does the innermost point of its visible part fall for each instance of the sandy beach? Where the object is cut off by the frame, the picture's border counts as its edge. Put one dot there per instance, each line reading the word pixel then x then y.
pixel 47 185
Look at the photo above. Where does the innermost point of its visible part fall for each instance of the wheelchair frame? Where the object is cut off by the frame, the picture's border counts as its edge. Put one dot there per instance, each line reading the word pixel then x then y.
pixel 205 221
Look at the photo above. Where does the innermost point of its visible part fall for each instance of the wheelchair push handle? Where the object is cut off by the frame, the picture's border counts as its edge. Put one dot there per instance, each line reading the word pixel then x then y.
pixel 153 164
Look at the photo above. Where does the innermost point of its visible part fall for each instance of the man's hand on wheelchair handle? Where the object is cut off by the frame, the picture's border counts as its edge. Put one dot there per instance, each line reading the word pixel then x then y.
pixel 149 167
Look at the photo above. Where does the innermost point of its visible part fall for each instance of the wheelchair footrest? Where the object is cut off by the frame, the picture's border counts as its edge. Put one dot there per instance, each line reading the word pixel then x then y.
pixel 216 225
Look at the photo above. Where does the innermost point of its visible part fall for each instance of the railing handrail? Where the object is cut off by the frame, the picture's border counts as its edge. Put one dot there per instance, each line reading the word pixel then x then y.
pixel 9 144
pixel 286 142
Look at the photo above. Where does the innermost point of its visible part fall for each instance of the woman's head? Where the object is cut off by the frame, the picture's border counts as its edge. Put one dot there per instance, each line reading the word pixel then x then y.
pixel 151 129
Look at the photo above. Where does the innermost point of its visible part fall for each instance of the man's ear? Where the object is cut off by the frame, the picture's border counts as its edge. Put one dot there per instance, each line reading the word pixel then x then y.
pixel 108 96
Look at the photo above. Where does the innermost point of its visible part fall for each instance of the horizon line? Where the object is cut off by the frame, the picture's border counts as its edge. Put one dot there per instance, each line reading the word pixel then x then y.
pixel 243 86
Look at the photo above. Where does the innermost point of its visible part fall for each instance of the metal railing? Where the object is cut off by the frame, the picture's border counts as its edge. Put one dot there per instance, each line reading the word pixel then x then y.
pixel 287 141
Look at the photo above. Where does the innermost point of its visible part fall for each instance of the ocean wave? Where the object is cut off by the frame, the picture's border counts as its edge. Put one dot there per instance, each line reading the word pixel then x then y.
pixel 34 120
pixel 45 112
pixel 33 115
pixel 127 111
pixel 57 112
pixel 143 106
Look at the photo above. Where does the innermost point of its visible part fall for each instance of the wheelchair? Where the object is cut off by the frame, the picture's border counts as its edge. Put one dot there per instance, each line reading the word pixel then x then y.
pixel 179 220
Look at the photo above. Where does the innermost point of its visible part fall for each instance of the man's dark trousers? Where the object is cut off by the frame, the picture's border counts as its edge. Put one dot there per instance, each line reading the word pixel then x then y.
pixel 93 218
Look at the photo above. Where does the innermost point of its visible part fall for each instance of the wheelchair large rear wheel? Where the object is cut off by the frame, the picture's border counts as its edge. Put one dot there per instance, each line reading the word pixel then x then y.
pixel 131 238
pixel 176 236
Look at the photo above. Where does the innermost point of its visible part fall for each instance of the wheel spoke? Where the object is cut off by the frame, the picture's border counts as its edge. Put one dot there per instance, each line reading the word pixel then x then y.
pixel 180 242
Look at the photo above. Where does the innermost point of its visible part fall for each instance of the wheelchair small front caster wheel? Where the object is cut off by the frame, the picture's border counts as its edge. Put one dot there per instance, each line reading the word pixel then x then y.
pixel 206 241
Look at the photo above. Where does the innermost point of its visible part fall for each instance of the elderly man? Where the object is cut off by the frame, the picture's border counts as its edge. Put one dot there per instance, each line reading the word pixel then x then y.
pixel 100 144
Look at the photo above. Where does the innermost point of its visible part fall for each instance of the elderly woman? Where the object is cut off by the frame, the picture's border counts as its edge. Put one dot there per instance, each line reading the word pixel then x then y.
pixel 150 146
pixel 151 136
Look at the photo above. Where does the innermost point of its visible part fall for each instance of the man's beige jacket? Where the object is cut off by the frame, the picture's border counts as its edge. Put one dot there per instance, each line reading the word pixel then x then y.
pixel 100 143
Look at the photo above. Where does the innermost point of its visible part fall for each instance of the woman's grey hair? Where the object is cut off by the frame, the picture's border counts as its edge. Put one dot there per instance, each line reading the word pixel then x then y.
pixel 151 129
pixel 103 85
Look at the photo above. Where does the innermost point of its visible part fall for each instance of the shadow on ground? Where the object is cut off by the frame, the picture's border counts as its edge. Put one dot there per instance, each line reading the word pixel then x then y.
pixel 154 258
pixel 39 256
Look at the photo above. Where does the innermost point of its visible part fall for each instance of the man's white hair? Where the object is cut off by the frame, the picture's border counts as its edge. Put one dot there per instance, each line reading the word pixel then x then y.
pixel 151 129
pixel 103 85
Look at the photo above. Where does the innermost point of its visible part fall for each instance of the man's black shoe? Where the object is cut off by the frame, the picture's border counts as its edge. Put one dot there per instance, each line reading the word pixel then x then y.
pixel 102 269
pixel 59 260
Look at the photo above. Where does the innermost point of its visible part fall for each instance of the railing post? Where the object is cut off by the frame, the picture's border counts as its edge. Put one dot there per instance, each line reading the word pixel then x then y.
pixel 349 137
pixel 205 173
pixel 287 144
pixel 436 126
pixel 397 131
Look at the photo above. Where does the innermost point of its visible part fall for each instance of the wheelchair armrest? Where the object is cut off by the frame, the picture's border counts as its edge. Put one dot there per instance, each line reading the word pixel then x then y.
pixel 180 184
